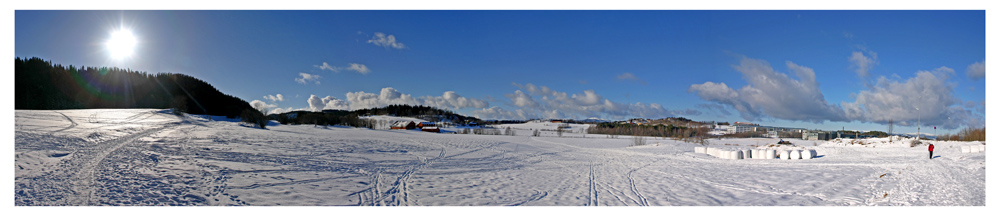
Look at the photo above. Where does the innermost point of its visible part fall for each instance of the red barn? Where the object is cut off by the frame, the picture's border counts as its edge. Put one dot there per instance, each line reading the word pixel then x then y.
pixel 426 124
pixel 403 125
pixel 431 129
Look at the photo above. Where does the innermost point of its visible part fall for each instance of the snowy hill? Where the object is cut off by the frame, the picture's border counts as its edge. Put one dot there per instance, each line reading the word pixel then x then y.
pixel 151 157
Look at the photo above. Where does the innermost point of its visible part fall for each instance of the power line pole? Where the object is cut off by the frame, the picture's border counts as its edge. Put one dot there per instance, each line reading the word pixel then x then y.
pixel 918 117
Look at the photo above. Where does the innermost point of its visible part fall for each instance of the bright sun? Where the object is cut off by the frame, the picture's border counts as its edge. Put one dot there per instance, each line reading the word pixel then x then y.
pixel 121 44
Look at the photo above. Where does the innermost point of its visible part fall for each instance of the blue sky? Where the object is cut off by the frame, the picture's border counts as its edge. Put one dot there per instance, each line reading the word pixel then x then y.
pixel 868 66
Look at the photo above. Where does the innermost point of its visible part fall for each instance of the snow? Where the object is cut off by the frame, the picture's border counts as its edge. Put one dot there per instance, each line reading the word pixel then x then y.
pixel 151 157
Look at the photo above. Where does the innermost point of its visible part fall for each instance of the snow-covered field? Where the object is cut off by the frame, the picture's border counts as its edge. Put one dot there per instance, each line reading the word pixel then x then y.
pixel 151 157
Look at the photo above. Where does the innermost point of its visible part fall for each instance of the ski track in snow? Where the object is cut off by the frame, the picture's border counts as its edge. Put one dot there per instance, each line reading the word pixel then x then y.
pixel 151 157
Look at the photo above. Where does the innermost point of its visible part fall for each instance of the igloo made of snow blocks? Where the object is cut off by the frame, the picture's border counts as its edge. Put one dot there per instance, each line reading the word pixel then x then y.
pixel 769 154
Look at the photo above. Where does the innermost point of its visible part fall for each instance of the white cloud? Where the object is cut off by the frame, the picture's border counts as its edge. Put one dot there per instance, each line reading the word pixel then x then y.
pixel 391 96
pixel 304 77
pixel 275 98
pixel 520 99
pixel 315 103
pixel 976 70
pixel 262 106
pixel 500 113
pixel 360 68
pixel 928 90
pixel 452 100
pixel 387 41
pixel 326 66
pixel 773 94
pixel 863 63
pixel 547 103
pixel 632 77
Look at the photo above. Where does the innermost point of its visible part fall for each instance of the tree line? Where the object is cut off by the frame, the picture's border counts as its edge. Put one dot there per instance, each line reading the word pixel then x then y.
pixel 41 85
pixel 648 130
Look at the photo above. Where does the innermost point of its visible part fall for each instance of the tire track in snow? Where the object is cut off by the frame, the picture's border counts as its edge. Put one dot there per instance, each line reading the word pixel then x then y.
pixel 592 199
pixel 631 184
pixel 83 183
pixel 397 193
pixel 72 125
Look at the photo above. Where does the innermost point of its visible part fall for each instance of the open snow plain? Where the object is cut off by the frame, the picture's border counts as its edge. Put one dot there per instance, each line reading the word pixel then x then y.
pixel 151 157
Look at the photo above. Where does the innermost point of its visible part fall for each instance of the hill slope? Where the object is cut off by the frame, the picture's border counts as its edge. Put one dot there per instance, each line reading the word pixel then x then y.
pixel 41 85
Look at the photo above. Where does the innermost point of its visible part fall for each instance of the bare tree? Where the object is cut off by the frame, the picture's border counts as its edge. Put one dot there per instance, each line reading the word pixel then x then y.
pixel 559 131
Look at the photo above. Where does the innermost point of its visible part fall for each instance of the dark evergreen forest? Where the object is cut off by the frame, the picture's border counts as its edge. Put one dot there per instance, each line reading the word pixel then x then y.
pixel 40 85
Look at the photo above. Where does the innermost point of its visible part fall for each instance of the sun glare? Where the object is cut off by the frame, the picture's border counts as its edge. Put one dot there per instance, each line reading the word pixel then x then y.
pixel 121 44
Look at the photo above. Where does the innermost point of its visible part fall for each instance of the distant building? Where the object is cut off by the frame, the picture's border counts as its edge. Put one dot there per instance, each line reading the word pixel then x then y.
pixel 772 133
pixel 816 135
pixel 426 124
pixel 403 125
pixel 431 129
pixel 742 128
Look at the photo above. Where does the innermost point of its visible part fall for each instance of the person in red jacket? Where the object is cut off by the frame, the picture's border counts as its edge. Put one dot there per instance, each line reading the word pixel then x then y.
pixel 930 149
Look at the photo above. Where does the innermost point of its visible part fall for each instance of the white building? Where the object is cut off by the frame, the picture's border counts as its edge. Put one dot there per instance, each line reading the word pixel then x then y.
pixel 742 128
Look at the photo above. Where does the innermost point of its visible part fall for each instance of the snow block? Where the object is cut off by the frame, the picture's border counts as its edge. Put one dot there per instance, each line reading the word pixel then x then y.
pixel 699 150
pixel 967 149
pixel 795 155
pixel 784 155
pixel 768 154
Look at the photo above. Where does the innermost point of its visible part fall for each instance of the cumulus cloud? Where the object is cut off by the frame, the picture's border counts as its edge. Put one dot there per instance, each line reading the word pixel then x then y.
pixel 387 41
pixel 360 68
pixel 631 77
pixel 262 106
pixel 542 102
pixel 500 113
pixel 774 94
pixel 976 71
pixel 390 96
pixel 274 98
pixel 898 101
pixel 862 63
pixel 304 77
pixel 452 100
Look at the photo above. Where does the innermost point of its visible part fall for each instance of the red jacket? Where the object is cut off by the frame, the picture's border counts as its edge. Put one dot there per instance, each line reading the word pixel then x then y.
pixel 930 147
